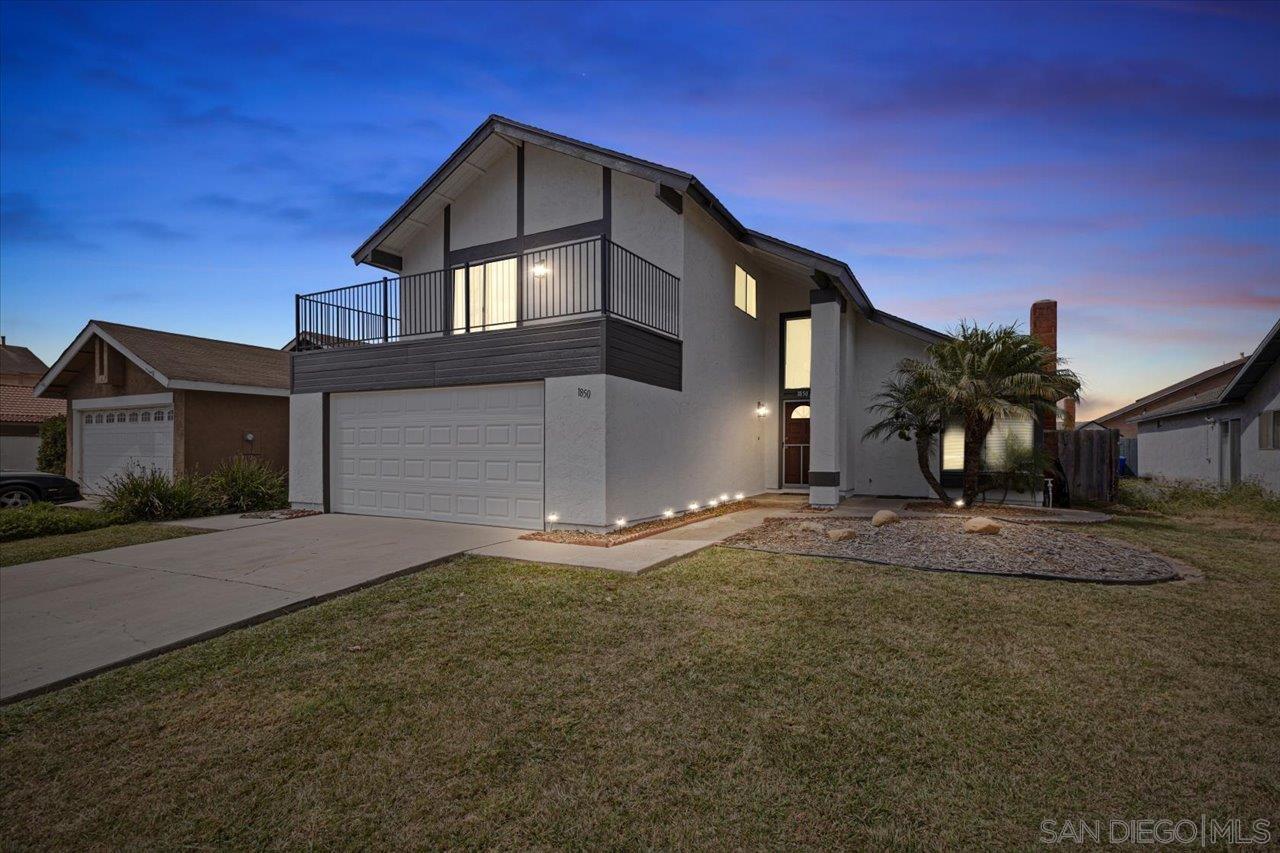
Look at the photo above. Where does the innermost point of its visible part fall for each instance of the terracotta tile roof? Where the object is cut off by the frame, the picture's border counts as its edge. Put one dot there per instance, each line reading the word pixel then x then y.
pixel 193 359
pixel 20 360
pixel 18 406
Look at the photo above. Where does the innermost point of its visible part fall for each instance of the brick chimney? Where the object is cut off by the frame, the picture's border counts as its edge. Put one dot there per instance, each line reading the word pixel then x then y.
pixel 1044 327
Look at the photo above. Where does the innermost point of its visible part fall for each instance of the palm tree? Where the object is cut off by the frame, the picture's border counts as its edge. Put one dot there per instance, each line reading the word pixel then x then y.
pixel 910 411
pixel 981 374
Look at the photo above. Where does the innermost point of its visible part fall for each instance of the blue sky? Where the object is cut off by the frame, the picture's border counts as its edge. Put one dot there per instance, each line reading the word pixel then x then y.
pixel 190 167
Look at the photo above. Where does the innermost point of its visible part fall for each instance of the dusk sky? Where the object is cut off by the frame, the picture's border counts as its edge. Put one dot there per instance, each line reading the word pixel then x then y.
pixel 190 168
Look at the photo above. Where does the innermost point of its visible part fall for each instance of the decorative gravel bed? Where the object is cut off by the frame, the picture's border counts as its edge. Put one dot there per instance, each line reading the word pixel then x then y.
pixel 1031 513
pixel 636 531
pixel 940 544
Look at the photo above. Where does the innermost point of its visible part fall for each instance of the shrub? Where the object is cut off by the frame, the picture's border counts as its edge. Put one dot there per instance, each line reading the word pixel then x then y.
pixel 51 457
pixel 150 495
pixel 1186 498
pixel 243 484
pixel 45 519
pixel 247 484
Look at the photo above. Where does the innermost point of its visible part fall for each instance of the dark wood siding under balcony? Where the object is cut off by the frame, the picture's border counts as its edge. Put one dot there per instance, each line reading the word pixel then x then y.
pixel 566 348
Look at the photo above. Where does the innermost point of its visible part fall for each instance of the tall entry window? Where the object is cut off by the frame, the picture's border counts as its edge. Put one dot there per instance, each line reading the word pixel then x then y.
pixel 797 338
pixel 484 296
pixel 796 342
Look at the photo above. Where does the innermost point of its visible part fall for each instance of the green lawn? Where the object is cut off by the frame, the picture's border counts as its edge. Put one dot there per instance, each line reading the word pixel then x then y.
pixel 67 544
pixel 728 700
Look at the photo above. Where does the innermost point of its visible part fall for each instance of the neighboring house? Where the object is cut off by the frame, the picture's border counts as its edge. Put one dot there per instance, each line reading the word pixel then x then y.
pixel 176 403
pixel 573 336
pixel 1199 387
pixel 21 412
pixel 1224 436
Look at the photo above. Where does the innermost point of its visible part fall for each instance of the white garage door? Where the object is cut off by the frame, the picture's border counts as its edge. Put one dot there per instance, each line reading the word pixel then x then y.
pixel 115 440
pixel 469 454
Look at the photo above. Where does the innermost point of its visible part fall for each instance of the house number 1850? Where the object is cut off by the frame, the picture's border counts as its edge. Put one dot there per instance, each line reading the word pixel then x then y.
pixel 584 392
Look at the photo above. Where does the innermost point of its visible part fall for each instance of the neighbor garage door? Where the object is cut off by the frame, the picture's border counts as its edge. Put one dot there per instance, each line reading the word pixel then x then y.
pixel 113 441
pixel 470 454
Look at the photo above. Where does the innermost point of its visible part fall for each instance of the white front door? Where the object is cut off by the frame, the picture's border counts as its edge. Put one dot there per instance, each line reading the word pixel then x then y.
pixel 113 441
pixel 471 454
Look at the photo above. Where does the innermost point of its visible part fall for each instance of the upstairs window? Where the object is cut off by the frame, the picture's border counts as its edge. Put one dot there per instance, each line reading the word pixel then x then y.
pixel 744 291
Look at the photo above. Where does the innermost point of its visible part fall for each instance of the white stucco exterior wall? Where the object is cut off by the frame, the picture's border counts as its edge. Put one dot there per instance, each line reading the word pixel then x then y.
pixel 667 448
pixel 486 210
pixel 425 252
pixel 1189 446
pixel 644 225
pixel 574 452
pixel 1256 464
pixel 560 190
pixel 881 467
pixel 306 451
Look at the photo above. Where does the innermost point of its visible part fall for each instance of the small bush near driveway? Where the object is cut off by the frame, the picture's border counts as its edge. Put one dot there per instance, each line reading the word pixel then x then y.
pixel 240 485
pixel 45 519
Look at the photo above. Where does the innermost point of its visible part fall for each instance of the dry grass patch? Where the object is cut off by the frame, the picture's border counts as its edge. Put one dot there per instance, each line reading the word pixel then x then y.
pixel 732 699
pixel 70 544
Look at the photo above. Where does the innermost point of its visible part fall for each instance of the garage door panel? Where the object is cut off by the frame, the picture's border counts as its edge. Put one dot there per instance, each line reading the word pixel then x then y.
pixel 114 441
pixel 477 451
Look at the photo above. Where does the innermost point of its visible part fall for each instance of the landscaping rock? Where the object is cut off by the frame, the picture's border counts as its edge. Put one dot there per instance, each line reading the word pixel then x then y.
pixel 883 517
pixel 981 524
pixel 812 527
pixel 840 534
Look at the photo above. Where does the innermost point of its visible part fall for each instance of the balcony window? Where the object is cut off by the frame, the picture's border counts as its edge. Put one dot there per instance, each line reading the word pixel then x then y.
pixel 744 291
pixel 484 296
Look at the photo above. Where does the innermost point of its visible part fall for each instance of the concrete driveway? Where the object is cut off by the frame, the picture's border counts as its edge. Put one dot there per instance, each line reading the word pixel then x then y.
pixel 66 618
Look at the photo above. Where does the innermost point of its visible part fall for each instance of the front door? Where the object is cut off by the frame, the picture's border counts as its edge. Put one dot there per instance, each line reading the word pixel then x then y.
pixel 795 443
pixel 1229 455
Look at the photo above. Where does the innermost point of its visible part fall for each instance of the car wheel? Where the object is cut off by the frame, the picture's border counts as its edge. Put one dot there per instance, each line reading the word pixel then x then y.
pixel 16 496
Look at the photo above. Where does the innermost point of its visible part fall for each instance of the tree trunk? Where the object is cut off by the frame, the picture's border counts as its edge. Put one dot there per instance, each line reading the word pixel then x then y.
pixel 975 433
pixel 924 444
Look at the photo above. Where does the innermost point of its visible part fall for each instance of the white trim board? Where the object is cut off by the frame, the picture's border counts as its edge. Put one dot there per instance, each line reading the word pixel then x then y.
pixel 192 385
pixel 163 398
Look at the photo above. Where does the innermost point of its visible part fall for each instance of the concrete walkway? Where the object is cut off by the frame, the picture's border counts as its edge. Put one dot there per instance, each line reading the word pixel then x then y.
pixel 64 619
pixel 633 557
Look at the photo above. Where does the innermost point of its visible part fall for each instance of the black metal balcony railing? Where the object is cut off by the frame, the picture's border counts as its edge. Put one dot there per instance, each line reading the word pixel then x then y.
pixel 594 276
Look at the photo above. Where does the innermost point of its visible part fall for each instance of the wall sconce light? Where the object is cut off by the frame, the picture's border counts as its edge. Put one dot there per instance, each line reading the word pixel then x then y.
pixel 761 410
pixel 539 270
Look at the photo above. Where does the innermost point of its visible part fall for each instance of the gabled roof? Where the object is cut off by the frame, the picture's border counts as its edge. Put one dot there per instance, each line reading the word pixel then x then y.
pixel 19 406
pixel 20 360
pixel 184 361
pixel 679 180
pixel 1264 357
pixel 1225 371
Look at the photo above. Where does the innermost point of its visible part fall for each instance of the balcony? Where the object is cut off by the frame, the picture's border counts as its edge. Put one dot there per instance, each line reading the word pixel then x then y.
pixel 588 278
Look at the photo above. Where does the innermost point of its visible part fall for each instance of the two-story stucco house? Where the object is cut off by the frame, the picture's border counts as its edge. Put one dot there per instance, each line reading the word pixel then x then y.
pixel 569 336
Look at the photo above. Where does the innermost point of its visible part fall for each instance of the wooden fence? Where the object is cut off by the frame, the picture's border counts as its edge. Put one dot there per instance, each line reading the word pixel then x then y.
pixel 1090 461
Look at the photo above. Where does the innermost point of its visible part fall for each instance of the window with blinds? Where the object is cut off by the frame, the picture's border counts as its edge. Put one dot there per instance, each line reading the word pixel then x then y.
pixel 1018 429
pixel 1269 430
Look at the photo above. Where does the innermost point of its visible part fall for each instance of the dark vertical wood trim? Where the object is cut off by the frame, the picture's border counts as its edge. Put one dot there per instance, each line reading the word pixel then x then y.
pixel 324 437
pixel 520 235
pixel 606 244
pixel 448 275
